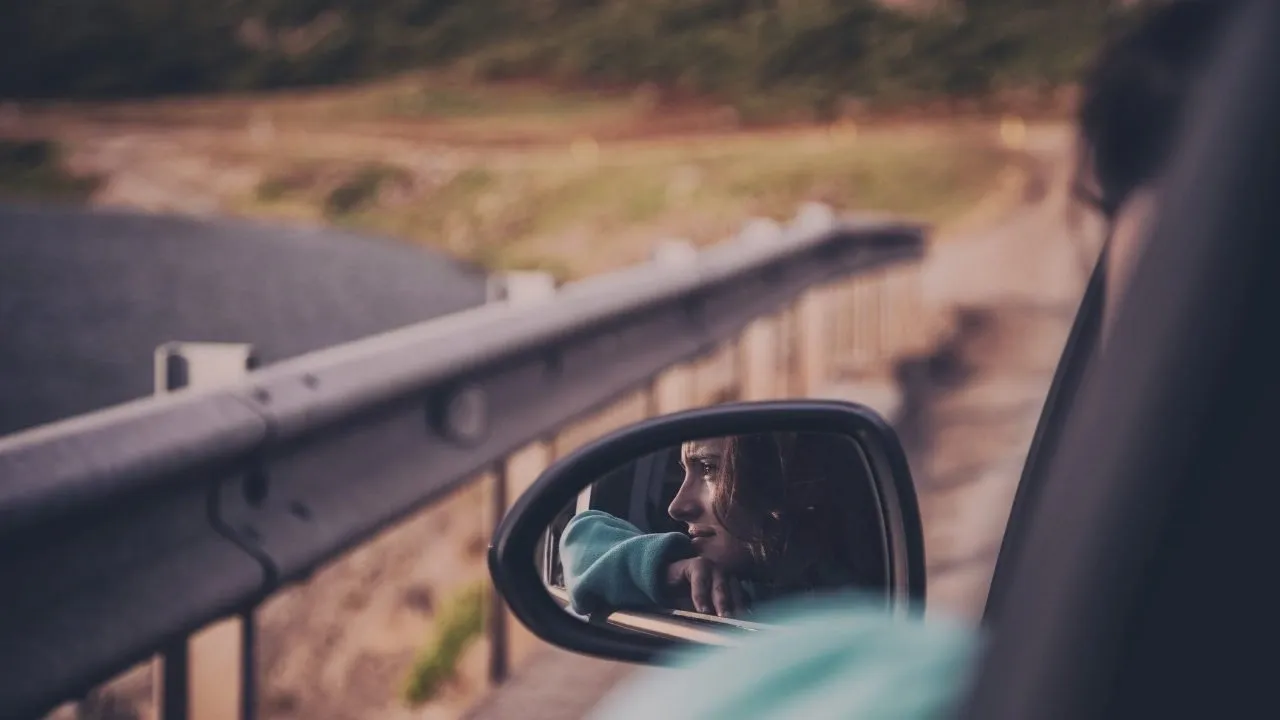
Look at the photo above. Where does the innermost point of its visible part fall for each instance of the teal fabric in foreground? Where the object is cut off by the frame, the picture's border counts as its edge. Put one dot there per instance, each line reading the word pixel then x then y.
pixel 834 657
pixel 608 562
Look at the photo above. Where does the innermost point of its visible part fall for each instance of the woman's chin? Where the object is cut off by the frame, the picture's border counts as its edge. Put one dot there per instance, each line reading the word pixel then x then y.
pixel 707 550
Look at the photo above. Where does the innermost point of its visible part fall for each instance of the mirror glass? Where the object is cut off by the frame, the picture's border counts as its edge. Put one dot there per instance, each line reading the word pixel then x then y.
pixel 695 539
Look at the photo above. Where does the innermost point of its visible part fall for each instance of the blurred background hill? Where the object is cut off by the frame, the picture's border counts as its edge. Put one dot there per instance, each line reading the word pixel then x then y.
pixel 755 54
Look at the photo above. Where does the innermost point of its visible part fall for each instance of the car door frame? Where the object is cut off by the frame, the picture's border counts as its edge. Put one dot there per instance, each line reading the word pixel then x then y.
pixel 1140 564
pixel 1077 355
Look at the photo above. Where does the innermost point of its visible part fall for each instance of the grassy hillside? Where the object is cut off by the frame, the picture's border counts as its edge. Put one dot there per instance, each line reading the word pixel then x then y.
pixel 768 57
pixel 507 175
pixel 585 207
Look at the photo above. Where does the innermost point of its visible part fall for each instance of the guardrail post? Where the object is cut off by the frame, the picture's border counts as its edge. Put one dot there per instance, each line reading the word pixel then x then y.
pixel 800 329
pixel 758 367
pixel 518 288
pixel 788 365
pixel 915 334
pixel 761 365
pixel 844 331
pixel 812 218
pixel 496 612
pixel 672 390
pixel 210 674
pixel 811 339
pixel 890 314
pixel 866 323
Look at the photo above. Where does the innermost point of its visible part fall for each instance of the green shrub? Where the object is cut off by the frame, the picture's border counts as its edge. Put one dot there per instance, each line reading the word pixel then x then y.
pixel 360 190
pixel 723 48
pixel 27 155
pixel 460 623
pixel 32 169
pixel 275 188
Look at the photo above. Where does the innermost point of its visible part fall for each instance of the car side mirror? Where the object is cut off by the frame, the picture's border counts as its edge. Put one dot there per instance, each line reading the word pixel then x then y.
pixel 682 529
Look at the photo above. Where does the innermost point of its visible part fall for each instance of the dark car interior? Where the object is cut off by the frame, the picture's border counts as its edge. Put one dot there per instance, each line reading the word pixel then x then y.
pixel 1133 579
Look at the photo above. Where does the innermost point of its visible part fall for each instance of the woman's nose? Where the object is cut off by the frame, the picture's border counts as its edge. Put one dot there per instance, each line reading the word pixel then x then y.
pixel 684 506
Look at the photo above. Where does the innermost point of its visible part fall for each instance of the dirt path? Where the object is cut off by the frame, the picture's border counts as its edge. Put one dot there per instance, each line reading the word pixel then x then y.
pixel 1013 291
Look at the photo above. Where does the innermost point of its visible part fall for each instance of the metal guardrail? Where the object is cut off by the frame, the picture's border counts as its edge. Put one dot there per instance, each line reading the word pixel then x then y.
pixel 125 530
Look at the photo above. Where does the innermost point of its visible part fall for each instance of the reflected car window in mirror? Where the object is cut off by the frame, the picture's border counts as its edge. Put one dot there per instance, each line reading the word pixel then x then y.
pixel 723 526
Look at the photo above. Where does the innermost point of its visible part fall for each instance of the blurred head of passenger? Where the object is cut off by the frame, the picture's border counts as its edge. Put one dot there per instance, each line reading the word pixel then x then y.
pixel 1132 107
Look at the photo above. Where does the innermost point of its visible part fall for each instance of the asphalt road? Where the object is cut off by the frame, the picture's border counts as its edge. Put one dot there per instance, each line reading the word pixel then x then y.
pixel 87 296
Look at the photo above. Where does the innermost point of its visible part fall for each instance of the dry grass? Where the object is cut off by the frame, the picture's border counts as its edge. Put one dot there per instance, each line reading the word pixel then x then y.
pixel 584 207
pixel 511 176
pixel 410 104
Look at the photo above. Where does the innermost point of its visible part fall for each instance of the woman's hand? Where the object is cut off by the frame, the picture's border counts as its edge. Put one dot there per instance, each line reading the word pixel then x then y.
pixel 711 590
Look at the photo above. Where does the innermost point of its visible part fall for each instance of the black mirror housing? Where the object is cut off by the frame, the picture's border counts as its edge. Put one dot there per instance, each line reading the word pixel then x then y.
pixel 511 552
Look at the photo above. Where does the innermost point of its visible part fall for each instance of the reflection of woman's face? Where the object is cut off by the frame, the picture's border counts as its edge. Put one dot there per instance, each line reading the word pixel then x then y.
pixel 693 506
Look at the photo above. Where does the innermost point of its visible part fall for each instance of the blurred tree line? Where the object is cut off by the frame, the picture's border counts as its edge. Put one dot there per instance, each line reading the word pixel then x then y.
pixel 816 51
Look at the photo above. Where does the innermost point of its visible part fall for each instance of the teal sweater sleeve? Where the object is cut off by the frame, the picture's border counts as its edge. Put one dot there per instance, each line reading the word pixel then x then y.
pixel 842 657
pixel 608 562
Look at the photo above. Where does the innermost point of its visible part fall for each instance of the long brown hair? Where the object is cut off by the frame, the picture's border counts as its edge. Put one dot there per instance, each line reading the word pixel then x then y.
pixel 804 505
pixel 1134 97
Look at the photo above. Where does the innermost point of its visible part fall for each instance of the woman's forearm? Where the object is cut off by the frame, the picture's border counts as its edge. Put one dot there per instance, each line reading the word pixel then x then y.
pixel 611 563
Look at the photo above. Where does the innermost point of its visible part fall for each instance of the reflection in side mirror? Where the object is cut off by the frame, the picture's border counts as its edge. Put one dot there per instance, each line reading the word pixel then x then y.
pixel 687 528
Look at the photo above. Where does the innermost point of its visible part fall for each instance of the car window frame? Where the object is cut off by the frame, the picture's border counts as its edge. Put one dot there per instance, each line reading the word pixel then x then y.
pixel 666 623
pixel 1078 353
pixel 1143 575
